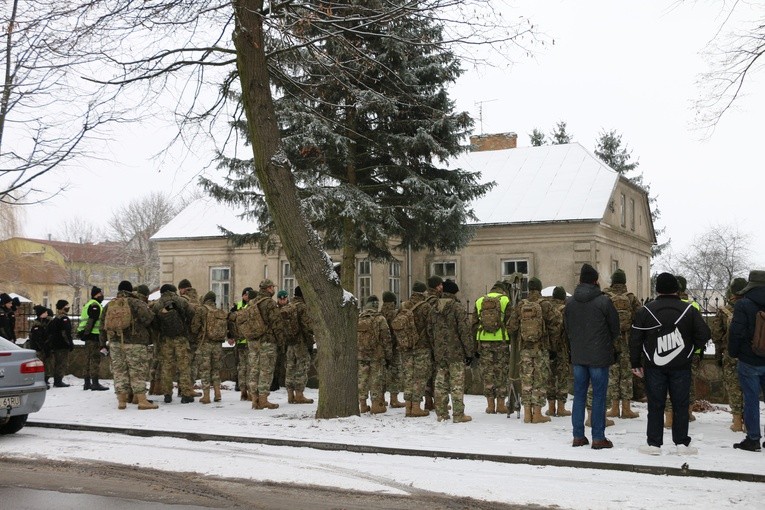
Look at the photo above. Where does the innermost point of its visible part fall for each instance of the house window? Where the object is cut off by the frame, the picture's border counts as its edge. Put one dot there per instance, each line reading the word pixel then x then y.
pixel 614 265
pixel 511 267
pixel 45 300
pixel 364 278
pixel 220 283
pixel 444 269
pixel 632 214
pixel 394 279
pixel 640 283
pixel 623 209
pixel 288 278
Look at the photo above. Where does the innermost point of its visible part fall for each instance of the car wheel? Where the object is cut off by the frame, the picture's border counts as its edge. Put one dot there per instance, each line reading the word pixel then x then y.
pixel 15 424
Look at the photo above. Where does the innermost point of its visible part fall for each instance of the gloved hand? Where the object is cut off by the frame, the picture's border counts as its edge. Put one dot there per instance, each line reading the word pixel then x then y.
pixel 468 361
pixel 553 355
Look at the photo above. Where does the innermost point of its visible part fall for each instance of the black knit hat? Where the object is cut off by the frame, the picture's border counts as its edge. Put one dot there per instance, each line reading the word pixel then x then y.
pixel 682 283
pixel 535 284
pixel 559 293
pixel 618 277
pixel 168 287
pixel 298 292
pixel 451 287
pixel 588 274
pixel 246 290
pixel 372 299
pixel 184 284
pixel 143 289
pixel 389 297
pixel 5 298
pixel 666 283
pixel 61 304
pixel 94 291
pixel 434 281
pixel 736 285
pixel 419 287
pixel 39 310
pixel 125 286
pixel 210 296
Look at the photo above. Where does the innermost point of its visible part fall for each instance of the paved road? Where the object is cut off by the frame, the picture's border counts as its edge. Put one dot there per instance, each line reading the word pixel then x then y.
pixel 35 484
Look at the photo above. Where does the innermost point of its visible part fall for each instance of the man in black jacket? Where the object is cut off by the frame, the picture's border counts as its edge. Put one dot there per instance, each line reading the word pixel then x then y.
pixel 751 367
pixel 665 334
pixel 592 328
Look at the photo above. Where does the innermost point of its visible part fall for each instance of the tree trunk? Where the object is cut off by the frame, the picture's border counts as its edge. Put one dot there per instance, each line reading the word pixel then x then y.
pixel 334 317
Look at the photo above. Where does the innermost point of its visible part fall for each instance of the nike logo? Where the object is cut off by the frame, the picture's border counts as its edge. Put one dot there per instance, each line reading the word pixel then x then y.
pixel 669 346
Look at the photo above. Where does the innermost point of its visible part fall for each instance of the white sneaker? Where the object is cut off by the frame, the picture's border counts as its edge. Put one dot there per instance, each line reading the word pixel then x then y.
pixel 649 450
pixel 686 450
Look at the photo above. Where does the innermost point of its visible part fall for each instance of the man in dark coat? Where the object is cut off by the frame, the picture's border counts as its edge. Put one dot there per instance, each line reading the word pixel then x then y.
pixel 592 328
pixel 664 336
pixel 751 367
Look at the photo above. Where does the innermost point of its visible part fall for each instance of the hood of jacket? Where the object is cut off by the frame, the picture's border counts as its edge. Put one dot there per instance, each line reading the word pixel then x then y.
pixel 585 292
pixel 757 295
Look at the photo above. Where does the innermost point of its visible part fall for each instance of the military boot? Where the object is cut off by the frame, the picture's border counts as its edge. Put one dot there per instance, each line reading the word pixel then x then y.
pixel 667 419
pixel 550 408
pixel 418 411
pixel 256 402
pixel 144 403
pixel 614 411
pixel 134 400
pixel 737 425
pixel 130 397
pixel 395 403
pixel 205 395
pixel 690 413
pixel 537 416
pixel 58 382
pixel 243 395
pixel 429 405
pixel 461 418
pixel 490 406
pixel 526 414
pixel 501 407
pixel 97 386
pixel 264 403
pixel 378 406
pixel 562 411
pixel 216 392
pixel 290 396
pixel 408 411
pixel 301 399
pixel 168 398
pixel 86 386
pixel 627 411
pixel 363 407
pixel 122 399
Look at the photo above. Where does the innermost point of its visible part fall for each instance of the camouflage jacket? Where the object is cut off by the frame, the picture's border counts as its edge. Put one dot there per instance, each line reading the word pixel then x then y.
pixel 448 327
pixel 720 326
pixel 383 345
pixel 304 321
pixel 171 299
pixel 389 311
pixel 273 319
pixel 552 318
pixel 199 321
pixel 421 318
pixel 142 319
pixel 558 343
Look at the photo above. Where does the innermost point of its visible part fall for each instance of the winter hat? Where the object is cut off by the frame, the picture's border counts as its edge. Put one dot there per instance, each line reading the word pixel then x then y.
pixel 61 304
pixel 39 310
pixel 184 284
pixel 125 285
pixel 559 293
pixel 282 294
pixel 168 287
pixel 736 285
pixel 666 283
pixel 246 290
pixel 451 287
pixel 535 284
pixel 389 297
pixel 210 296
pixel 499 286
pixel 5 298
pixel 94 291
pixel 588 274
pixel 419 287
pixel 143 289
pixel 251 294
pixel 756 279
pixel 372 299
pixel 682 283
pixel 298 291
pixel 266 283
pixel 618 277
pixel 372 303
pixel 434 281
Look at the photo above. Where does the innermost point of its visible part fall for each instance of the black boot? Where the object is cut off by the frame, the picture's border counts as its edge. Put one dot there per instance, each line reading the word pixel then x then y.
pixel 96 386
pixel 87 384
pixel 168 398
pixel 187 400
pixel 58 382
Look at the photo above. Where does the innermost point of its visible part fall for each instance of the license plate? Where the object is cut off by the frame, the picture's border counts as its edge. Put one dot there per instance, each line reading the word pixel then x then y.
pixel 9 401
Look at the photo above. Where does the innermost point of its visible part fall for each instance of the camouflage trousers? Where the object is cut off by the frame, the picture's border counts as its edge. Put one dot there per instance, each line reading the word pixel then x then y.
pixel 242 365
pixel 560 374
pixel 535 375
pixel 495 368
pixel 261 361
pixel 417 367
pixel 45 358
pixel 450 380
pixel 620 379
pixel 393 373
pixel 60 359
pixel 732 384
pixel 174 354
pixel 371 378
pixel 298 363
pixel 130 367
pixel 92 359
pixel 208 360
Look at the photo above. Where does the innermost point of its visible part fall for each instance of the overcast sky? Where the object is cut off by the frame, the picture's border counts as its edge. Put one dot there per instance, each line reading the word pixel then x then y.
pixel 629 66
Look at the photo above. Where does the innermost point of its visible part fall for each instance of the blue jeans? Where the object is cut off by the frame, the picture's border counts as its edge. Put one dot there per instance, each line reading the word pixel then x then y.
pixel 657 383
pixel 752 378
pixel 583 376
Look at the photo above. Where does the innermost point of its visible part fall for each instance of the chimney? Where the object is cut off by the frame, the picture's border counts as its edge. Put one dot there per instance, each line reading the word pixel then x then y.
pixel 493 142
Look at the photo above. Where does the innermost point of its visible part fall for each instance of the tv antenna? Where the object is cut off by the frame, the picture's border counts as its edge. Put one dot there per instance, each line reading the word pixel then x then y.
pixel 480 112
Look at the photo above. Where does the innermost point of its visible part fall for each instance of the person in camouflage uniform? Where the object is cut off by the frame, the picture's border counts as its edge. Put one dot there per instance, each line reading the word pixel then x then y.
pixel 209 351
pixel 560 366
pixel 494 351
pixel 38 338
pixel 375 350
pixel 190 294
pixel 435 287
pixel 720 326
pixel 393 372
pixel 453 348
pixel 129 349
pixel 173 317
pixel 280 367
pixel 299 346
pixel 535 354
pixel 416 362
pixel 240 345
pixel 261 352
pixel 620 373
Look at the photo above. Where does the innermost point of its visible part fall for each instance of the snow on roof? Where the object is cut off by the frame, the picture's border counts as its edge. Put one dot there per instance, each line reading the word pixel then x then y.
pixel 536 184
pixel 202 217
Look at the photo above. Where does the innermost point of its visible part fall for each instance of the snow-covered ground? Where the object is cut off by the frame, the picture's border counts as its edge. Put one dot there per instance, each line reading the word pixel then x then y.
pixel 489 434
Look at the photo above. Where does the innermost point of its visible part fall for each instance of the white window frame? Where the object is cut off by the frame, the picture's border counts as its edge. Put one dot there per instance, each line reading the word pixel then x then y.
pixel 623 210
pixel 288 278
pixel 632 214
pixel 440 268
pixel 363 279
pixel 394 278
pixel 517 265
pixel 221 285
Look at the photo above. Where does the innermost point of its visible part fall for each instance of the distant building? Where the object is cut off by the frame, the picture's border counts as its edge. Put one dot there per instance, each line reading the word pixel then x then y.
pixel 553 208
